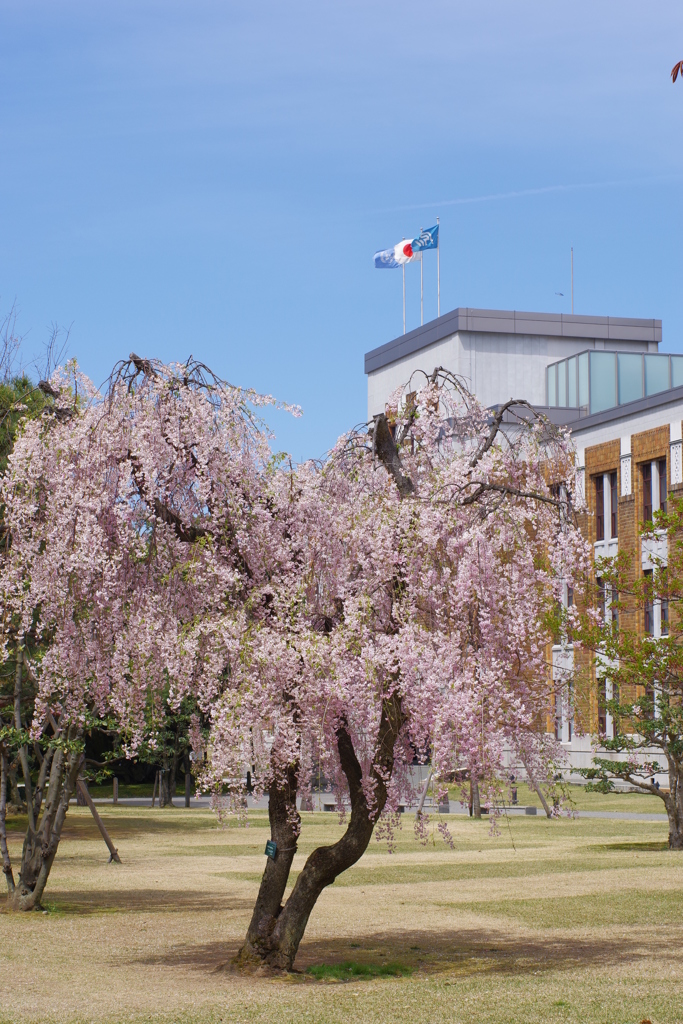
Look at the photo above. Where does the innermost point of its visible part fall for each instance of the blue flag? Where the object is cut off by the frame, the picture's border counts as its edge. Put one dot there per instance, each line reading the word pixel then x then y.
pixel 429 239
pixel 385 259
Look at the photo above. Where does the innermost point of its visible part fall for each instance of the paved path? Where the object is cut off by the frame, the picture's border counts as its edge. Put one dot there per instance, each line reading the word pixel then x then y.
pixel 455 808
pixel 459 808
pixel 146 801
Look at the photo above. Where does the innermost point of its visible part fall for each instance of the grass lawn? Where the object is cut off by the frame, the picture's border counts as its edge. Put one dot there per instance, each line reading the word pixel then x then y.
pixel 641 803
pixel 551 921
pixel 135 789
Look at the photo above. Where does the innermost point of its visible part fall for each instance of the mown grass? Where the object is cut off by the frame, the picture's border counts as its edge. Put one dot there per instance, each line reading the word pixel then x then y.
pixel 547 921
pixel 583 800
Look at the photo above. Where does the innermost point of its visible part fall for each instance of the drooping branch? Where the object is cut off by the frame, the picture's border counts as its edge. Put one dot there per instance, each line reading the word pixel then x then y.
pixel 186 534
pixel 489 441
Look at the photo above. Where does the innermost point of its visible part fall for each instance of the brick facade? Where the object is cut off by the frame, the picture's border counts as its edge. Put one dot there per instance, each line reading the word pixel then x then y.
pixel 646 447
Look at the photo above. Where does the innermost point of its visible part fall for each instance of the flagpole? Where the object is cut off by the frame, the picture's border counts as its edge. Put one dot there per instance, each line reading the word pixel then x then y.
pixel 403 267
pixel 422 291
pixel 438 272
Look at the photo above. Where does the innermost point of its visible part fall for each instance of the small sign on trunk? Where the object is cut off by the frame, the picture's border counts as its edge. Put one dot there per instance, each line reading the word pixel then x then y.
pixel 271 849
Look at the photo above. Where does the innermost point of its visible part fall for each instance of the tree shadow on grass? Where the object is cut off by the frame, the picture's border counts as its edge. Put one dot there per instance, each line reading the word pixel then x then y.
pixel 645 847
pixel 454 954
pixel 153 901
pixel 124 826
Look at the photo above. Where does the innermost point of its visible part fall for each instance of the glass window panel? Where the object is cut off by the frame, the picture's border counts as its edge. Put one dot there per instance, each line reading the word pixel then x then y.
pixel 552 385
pixel 676 371
pixel 603 380
pixel 583 379
pixel 571 383
pixel 630 377
pixel 656 374
pixel 562 383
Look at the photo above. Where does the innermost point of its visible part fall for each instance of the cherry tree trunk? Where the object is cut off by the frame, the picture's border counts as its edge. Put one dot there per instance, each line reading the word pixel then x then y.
pixel 261 942
pixel 41 841
pixel 276 931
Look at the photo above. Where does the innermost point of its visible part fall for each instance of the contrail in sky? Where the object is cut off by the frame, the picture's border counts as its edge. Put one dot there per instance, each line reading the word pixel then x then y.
pixel 543 190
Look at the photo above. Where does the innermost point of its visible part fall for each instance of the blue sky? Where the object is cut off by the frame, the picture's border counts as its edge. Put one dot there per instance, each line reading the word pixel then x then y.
pixel 213 177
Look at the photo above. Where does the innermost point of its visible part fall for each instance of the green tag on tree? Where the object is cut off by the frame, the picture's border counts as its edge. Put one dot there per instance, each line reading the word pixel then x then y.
pixel 271 849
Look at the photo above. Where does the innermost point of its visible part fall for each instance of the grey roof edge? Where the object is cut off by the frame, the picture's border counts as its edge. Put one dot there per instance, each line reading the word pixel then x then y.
pixel 620 412
pixel 503 321
pixel 572 417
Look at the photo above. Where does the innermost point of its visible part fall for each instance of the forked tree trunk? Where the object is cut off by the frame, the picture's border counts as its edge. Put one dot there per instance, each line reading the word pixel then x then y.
pixel 275 930
pixel 41 842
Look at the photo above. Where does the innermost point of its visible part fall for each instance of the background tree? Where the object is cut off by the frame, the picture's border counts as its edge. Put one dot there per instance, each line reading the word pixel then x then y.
pixel 122 517
pixel 639 677
pixel 21 398
pixel 168 743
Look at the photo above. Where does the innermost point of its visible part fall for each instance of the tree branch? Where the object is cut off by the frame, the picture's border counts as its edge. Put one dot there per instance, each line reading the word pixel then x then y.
pixel 387 453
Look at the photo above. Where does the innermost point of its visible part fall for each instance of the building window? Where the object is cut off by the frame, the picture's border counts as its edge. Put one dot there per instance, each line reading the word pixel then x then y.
pixel 599 508
pixel 614 611
pixel 647 492
pixel 613 502
pixel 664 604
pixel 662 484
pixel 649 604
pixel 655 489
pixel 601 596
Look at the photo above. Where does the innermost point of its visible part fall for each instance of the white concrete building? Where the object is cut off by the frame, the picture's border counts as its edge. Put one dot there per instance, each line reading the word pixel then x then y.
pixel 502 354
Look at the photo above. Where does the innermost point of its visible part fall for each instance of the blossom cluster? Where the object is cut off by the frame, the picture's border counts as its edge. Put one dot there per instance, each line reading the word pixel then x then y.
pixel 159 549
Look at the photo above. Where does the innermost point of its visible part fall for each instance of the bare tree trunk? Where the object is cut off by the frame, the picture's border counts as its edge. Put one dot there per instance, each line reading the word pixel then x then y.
pixel 175 761
pixel 276 931
pixel 539 792
pixel 81 787
pixel 673 801
pixel 476 798
pixel 423 795
pixel 188 779
pixel 165 799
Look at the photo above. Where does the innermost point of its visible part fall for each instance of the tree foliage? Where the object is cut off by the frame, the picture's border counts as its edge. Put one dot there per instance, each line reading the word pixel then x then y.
pixel 640 677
